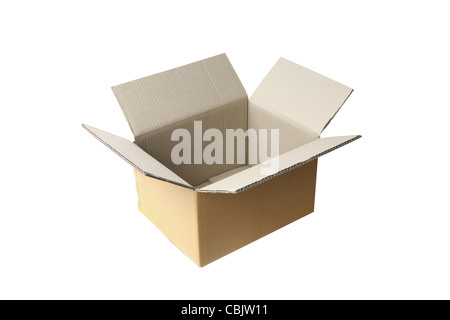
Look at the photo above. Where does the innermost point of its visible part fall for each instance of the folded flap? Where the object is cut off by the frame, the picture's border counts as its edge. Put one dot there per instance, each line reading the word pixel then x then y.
pixel 253 176
pixel 301 95
pixel 162 99
pixel 137 157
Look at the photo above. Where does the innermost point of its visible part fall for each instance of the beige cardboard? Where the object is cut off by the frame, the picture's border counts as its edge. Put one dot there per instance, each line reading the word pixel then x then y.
pixel 300 94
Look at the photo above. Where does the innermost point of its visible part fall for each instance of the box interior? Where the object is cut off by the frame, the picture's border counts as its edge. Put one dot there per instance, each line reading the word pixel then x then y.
pixel 236 116
pixel 297 101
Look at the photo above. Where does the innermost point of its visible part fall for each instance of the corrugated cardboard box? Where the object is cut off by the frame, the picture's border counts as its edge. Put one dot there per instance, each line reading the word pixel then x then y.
pixel 210 210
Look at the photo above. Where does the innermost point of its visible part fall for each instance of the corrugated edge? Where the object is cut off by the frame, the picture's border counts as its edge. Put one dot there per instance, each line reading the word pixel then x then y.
pixel 132 164
pixel 299 164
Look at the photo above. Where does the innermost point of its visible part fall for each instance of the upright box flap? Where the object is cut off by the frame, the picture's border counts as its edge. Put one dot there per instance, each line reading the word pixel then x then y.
pixel 156 101
pixel 301 95
pixel 137 157
pixel 290 160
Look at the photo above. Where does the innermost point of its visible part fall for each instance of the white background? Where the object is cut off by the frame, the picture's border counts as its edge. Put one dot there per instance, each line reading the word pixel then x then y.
pixel 69 222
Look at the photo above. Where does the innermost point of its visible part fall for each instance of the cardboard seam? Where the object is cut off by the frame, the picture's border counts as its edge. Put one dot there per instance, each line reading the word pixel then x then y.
pixel 197 225
pixel 212 82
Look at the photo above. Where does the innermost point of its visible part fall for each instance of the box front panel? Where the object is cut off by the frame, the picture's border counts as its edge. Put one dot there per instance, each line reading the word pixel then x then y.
pixel 228 222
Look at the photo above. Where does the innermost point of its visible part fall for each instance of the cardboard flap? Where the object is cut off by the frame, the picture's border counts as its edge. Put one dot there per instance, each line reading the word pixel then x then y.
pixel 253 176
pixel 137 157
pixel 162 99
pixel 301 95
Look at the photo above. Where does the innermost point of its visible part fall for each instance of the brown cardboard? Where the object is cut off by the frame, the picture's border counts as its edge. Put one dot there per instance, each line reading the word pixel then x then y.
pixel 210 210
pixel 208 226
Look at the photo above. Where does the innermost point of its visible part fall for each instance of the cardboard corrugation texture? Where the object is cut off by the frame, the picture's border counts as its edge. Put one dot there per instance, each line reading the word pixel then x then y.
pixel 162 99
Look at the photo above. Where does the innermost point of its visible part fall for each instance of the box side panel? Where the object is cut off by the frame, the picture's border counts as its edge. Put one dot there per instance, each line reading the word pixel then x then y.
pixel 173 210
pixel 291 134
pixel 228 222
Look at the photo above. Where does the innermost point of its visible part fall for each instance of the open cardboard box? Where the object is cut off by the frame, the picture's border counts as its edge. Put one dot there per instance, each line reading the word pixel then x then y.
pixel 210 210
